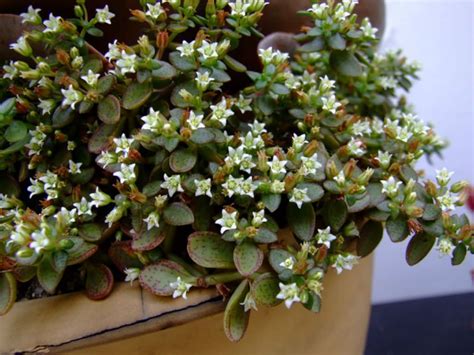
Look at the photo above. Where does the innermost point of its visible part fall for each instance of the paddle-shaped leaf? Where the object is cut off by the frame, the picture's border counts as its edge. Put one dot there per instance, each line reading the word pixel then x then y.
pixel 335 214
pixel 369 237
pixel 136 95
pixel 265 289
pixel 183 160
pixel 7 292
pixel 346 63
pixel 302 220
pixel 123 256
pixel 207 249
pixel 108 110
pixel 48 275
pixel 99 281
pixel 418 247
pixel 178 214
pixel 235 317
pixel 247 258
pixel 397 228
pixel 157 277
pixel 149 239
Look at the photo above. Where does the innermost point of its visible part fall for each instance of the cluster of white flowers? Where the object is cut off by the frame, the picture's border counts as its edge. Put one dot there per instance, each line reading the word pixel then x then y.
pixel 271 56
pixel 344 262
pixel 37 140
pixel 239 186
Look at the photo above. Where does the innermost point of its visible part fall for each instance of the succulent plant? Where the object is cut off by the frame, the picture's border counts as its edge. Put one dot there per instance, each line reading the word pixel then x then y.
pixel 147 162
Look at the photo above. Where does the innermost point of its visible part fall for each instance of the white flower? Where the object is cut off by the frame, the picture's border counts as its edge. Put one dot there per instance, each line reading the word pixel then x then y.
pixel 172 184
pixel 251 142
pixel 228 221
pixel 340 179
pixel 299 141
pixel 258 218
pixel 239 8
pixel 71 145
pixel 289 293
pixel 447 201
pixel 390 187
pixel 35 188
pixel 68 217
pixel 31 16
pixel 388 82
pixel 131 274
pixel 77 62
pixel 186 49
pixel 445 247
pixel 154 11
pixel 325 237
pixel 340 14
pixel 153 121
pixel 270 56
pixel 126 63
pixel 345 262
pixel 126 174
pixel 22 46
pixel 11 72
pixel 299 196
pixel 115 214
pixel 443 176
pixel 243 104
pixel 195 121
pixel 403 134
pixel 208 51
pixel 203 187
pixel 180 288
pixel 104 15
pixel 152 220
pixel 123 145
pixel 326 84
pixel 361 128
pixel 71 97
pixel 99 198
pixel 246 163
pixel 288 263
pixel 83 207
pixel 257 128
pixel 310 165
pixel 91 78
pixel 50 180
pixel 349 4
pixel 277 166
pixel 277 187
pixel 247 187
pixel 40 241
pixel 383 158
pixel 203 80
pixel 318 9
pixel 367 29
pixel 53 24
pixel 330 104
pixel 46 106
pixel 234 156
pixel 74 168
pixel 107 158
pixel 114 51
pixel 249 302
pixel 232 186
pixel 220 112
pixel 354 147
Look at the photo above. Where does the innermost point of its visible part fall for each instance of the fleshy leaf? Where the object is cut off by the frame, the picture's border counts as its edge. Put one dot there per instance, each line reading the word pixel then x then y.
pixel 335 214
pixel 302 220
pixel 182 63
pixel 459 254
pixel 418 247
pixel 397 229
pixel 207 249
pixel 7 292
pixel 314 191
pixel 165 72
pixel 123 256
pixel 99 281
pixel 80 251
pixel 278 256
pixel 265 289
pixel 149 240
pixel 313 303
pixel 17 130
pixel 178 214
pixel 370 236
pixel 431 212
pixel 101 138
pixel 47 274
pixel 346 63
pixel 271 201
pixel 157 277
pixel 247 258
pixel 136 95
pixel 63 117
pixel 265 236
pixel 235 317
pixel 108 110
pixel 90 232
pixel 182 160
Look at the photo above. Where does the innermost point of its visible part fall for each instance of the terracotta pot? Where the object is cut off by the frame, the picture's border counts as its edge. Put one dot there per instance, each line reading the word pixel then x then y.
pixel 127 322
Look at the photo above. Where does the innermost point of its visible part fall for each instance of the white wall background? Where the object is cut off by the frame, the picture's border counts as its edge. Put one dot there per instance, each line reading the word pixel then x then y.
pixel 439 34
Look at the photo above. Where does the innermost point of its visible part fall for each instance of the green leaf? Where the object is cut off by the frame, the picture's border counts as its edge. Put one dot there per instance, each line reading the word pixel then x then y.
pixel 279 89
pixel 165 72
pixel 7 292
pixel 335 214
pixel 101 138
pixel 302 221
pixel 397 228
pixel 136 95
pixel 7 106
pixel 431 212
pixel 264 290
pixel 178 214
pixel 247 258
pixel 90 232
pixel 183 160
pixel 182 63
pixel 336 41
pixel 360 204
pixel 63 117
pixel 123 256
pixel 459 254
pixel 265 236
pixel 17 130
pixel 177 99
pixel 313 303
pixel 202 136
pixel 407 173
pixel 105 84
pixel 149 240
pixel 108 110
pixel 220 75
pixel 99 281
pixel 276 257
pixel 207 249
pixel 235 318
pixel 94 31
pixel 369 237
pixel 346 63
pixel 271 201
pixel 314 191
pixel 314 46
pixel 418 247
pixel 81 251
pixel 202 213
pixel 47 274
pixel 24 273
pixel 234 64
pixel 265 104
pixel 374 190
pixel 93 64
pixel 157 277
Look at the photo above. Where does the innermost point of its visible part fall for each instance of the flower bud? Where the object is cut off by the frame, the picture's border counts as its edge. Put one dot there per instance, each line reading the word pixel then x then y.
pixel 459 186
